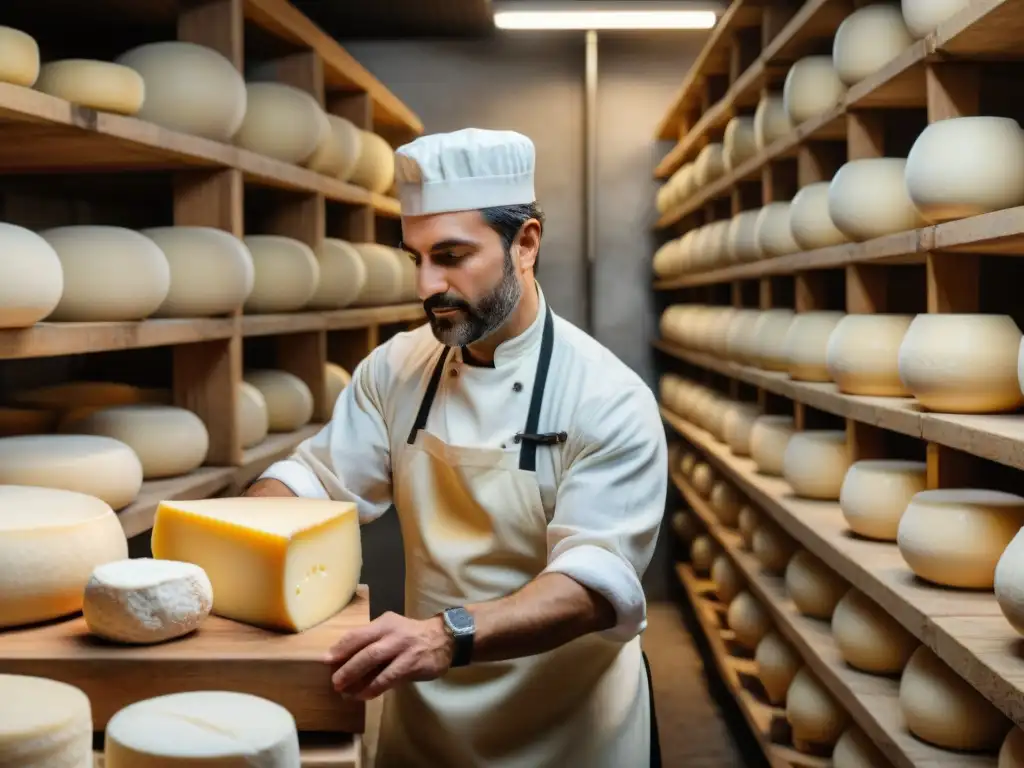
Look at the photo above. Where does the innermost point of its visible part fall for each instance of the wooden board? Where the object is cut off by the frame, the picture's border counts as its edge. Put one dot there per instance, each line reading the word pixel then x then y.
pixel 221 655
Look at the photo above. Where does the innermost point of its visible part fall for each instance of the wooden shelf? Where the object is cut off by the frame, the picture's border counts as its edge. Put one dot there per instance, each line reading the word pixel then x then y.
pixel 965 629
pixel 872 701
pixel 360 317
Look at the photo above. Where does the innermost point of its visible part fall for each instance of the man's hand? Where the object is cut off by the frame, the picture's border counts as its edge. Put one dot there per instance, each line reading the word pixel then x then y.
pixel 390 650
pixel 268 487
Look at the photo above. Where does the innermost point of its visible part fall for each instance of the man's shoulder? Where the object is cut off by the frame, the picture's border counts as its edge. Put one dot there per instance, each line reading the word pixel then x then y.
pixel 404 357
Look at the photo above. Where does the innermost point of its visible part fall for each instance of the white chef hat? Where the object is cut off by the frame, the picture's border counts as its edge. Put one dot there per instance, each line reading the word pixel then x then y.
pixel 464 170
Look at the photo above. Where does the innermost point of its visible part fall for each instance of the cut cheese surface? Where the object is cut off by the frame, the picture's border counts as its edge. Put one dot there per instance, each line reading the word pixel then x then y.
pixel 219 728
pixel 44 724
pixel 50 542
pixel 281 563
pixel 146 601
pixel 100 85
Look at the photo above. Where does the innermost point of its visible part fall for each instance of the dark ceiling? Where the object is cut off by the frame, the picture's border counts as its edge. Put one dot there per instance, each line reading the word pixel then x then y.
pixel 353 19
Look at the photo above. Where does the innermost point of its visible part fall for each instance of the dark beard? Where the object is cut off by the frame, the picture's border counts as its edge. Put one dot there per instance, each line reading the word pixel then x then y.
pixel 482 319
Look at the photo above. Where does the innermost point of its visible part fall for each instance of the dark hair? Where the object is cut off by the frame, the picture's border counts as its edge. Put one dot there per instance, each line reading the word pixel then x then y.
pixel 507 220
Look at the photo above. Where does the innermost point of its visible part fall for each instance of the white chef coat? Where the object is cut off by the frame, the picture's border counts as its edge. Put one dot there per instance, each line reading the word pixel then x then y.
pixel 603 489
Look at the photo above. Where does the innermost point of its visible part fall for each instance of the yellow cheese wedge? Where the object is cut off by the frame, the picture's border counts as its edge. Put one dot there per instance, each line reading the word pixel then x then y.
pixel 279 563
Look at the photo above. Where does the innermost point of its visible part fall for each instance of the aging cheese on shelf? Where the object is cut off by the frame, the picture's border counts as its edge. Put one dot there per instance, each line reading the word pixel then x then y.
pixel 726 502
pixel 44 723
pixel 812 88
pixel 337 378
pixel 342 275
pixel 741 238
pixel 806 345
pixel 24 421
pixel 810 222
pixel 703 479
pixel 286 274
pixel 19 57
pixel 1011 754
pixel 91 464
pixel 289 399
pixel 812 712
pixel 253 417
pixel 855 750
pixel 739 335
pixel 212 271
pixel 769 342
pixel 868 39
pixel 863 354
pixel 50 542
pixel 1009 582
pixel 868 638
pixel 814 588
pixel 100 85
pixel 868 198
pixel 772 546
pixel 728 582
pixel 768 440
pixel 687 464
pixel 737 424
pixel 338 151
pixel 748 523
pixel 777 665
pixel 282 122
pixel 189 88
pixel 685 526
pixel 31 275
pixel 384 275
pixel 709 164
pixel 748 619
pixel 75 395
pixel 941 708
pixel 409 276
pixel 281 563
pixel 145 601
pixel 739 142
pixel 774 236
pixel 923 16
pixel 703 552
pixel 202 728
pixel 771 120
pixel 815 463
pixel 876 492
pixel 110 273
pixel 375 168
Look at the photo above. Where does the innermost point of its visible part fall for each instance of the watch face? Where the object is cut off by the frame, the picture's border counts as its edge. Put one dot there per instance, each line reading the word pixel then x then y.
pixel 460 619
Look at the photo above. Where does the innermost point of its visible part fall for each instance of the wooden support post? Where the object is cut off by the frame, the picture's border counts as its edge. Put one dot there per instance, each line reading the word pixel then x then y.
pixel 216 24
pixel 774 17
pixel 744 48
pixel 865 136
pixel 953 282
pixel 865 441
pixel 779 181
pixel 953 90
pixel 867 289
pixel 948 468
pixel 811 289
pixel 818 161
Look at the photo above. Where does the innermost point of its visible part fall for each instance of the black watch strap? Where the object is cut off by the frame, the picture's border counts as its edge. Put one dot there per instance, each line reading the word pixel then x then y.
pixel 459 624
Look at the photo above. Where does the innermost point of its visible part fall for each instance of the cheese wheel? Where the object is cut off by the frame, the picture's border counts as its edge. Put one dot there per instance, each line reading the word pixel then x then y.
pixel 962 363
pixel 806 345
pixel 375 168
pixel 703 552
pixel 771 121
pixel 110 274
pixel 923 16
pixel 875 493
pixel 863 354
pixel 91 464
pixel 814 588
pixel 337 378
pixel 741 239
pixel 75 395
pixel 24 421
pixel 777 665
pixel 748 523
pixel 211 727
pixel 212 271
pixel 289 399
pixel 252 416
pixel 815 463
pixel 1009 583
pixel 50 542
pixel 685 526
pixel 955 537
pixel 702 479
pixel 741 331
pixel 812 88
pixel 169 441
pixel 338 151
pixel 728 581
pixel 867 40
pixel 748 620
pixel 773 234
pixel 868 198
pixel 286 274
pixel 189 88
pixel 43 723
pixel 769 342
pixel 737 424
pixel 855 750
pixel 768 440
pixel 31 275
pixel 384 275
pixel 815 717
pixel 941 708
pixel 726 503
pixel 1011 754
pixel 100 85
pixel 709 165
pixel 739 143
pixel 410 276
pixel 145 601
pixel 868 638
pixel 772 547
pixel 19 57
pixel 342 275
pixel 810 222
pixel 687 464
pixel 282 122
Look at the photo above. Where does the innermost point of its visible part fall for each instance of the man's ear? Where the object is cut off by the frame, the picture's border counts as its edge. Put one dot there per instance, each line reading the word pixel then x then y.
pixel 527 244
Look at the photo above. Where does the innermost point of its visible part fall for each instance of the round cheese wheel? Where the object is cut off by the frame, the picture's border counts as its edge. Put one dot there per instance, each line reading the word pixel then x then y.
pixel 867 40
pixel 19 57
pixel 202 726
pixel 43 722
pixel 289 399
pixel 774 236
pixel 702 479
pixel 738 338
pixel 282 122
pixel 737 424
pixel 410 276
pixel 855 750
pixel 339 148
pixel 1011 754
pixel 868 198
pixel 25 421
pixel 812 88
pixel 813 714
pixel 75 395
pixel 1009 583
pixel 685 526
pixel 748 620
pixel 169 441
pixel 110 274
pixel 96 465
pixel 709 165
pixel 806 344
pixel 50 541
pixel 726 503
pixel 809 220
pixel 212 271
pixel 286 274
pixel 943 709
pixel 875 493
pixel 771 121
pixel 384 275
pixel 739 142
pixel 962 363
pixel 748 523
pixel 252 416
pixel 375 168
pixel 777 665
pixel 863 354
pixel 815 463
pixel 189 88
pixel 814 588
pixel 741 240
pixel 772 547
pixel 868 638
pixel 336 378
pixel 100 85
pixel 945 182
pixel 728 581
pixel 666 260
pixel 687 464
pixel 703 552
pixel 923 16
pixel 31 275
pixel 768 440
pixel 769 340
pixel 342 275
pixel 955 537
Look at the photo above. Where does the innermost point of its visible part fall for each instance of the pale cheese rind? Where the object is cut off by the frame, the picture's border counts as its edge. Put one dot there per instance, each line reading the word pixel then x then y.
pixel 44 724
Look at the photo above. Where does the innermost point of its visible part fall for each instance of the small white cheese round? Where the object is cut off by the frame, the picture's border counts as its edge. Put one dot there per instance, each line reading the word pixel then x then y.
pixel 282 122
pixel 342 275
pixel 876 492
pixel 737 424
pixel 816 718
pixel 286 274
pixel 772 546
pixel 43 723
pixel 855 750
pixel 771 121
pixel 812 88
pixel 814 587
pixel 923 16
pixel 868 638
pixel 748 620
pixel 809 220
pixel 748 523
pixel 726 503
pixel 867 40
pixel 739 142
pixel 868 198
pixel 815 463
pixel 1009 582
pixel 1011 754
pixel 768 440
pixel 375 168
pixel 703 552
pixel 777 665
pixel 728 581
pixel 252 416
pixel 863 354
pixel 31 275
pixel 703 479
pixel 773 233
pixel 289 399
pixel 806 345
pixel 19 57
pixel 100 85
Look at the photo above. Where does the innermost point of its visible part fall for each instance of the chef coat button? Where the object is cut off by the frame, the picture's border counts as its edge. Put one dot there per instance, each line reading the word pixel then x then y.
pixel 455 372
pixel 517 387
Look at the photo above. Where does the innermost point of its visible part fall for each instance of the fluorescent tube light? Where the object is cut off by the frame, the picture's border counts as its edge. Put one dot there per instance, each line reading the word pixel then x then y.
pixel 595 19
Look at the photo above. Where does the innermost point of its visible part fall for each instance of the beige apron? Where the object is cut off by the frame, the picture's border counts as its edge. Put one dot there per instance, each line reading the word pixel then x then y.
pixel 474 529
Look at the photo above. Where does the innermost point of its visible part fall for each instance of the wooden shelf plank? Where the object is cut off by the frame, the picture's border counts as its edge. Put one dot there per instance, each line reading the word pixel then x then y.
pixel 816 21
pixel 358 317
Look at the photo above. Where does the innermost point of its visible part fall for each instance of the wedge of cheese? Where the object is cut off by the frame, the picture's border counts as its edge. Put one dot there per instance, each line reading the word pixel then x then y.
pixel 279 563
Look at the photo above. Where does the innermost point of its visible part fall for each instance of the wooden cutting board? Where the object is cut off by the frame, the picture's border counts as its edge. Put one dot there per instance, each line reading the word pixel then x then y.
pixel 222 655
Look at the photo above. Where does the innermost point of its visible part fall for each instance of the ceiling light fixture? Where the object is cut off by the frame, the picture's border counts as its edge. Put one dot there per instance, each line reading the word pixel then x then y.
pixel 604 19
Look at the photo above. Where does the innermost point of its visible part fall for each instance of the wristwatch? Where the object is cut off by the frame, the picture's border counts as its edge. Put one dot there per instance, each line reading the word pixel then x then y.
pixel 458 622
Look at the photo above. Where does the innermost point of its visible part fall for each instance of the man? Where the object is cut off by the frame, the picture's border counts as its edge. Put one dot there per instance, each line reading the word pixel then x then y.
pixel 528 467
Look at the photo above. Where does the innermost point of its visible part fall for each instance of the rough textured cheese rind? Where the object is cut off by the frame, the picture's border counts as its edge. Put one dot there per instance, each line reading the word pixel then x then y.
pixel 748 619
pixel 19 57
pixel 875 494
pixel 44 724
pixel 31 275
pixel 815 463
pixel 50 542
pixel 814 715
pixel 777 665
pixel 286 274
pixel 281 563
pixel 342 275
pixel 219 728
pixel 855 750
pixel 282 122
pixel 289 399
pixel 252 414
pixel 868 638
pixel 145 601
pixel 100 85
pixel 814 588
pixel 728 581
